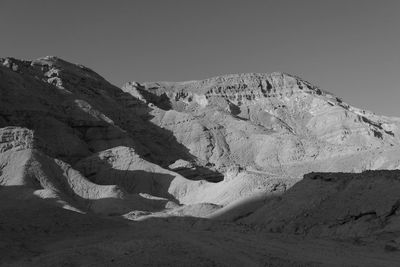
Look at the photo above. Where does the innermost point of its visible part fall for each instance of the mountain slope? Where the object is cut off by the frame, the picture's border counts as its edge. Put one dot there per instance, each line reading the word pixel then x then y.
pixel 153 146
pixel 270 124
pixel 336 205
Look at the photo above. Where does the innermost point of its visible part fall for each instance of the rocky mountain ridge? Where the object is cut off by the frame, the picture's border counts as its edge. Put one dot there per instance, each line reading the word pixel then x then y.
pixel 149 146
pixel 315 124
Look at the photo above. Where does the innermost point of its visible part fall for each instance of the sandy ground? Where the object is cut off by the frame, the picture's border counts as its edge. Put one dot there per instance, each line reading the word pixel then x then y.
pixel 85 241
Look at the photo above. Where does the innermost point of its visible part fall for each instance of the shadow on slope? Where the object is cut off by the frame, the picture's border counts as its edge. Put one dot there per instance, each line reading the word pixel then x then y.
pixel 92 117
pixel 242 208
pixel 340 205
pixel 136 181
pixel 53 179
pixel 29 223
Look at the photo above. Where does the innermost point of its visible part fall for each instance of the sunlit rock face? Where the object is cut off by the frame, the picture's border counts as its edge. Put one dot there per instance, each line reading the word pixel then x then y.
pixel 71 136
pixel 268 123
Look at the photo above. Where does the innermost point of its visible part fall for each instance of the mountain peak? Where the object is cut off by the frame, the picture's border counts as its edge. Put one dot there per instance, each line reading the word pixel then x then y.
pixel 234 88
pixel 54 70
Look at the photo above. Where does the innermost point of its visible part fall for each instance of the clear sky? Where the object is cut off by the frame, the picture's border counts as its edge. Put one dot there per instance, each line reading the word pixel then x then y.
pixel 350 48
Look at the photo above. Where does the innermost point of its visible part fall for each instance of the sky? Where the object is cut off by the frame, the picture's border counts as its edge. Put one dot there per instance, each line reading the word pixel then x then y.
pixel 350 48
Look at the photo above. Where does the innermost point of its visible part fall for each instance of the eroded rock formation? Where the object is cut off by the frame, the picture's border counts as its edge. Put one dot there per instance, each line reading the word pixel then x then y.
pixel 73 137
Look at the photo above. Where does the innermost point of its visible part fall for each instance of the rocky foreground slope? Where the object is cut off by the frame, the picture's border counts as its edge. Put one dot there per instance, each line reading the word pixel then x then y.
pixel 363 206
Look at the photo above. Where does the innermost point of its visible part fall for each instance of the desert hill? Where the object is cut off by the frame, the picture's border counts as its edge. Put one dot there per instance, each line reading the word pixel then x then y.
pixel 231 149
pixel 161 144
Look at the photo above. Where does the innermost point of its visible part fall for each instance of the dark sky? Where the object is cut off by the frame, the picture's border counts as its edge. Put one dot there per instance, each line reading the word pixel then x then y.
pixel 350 48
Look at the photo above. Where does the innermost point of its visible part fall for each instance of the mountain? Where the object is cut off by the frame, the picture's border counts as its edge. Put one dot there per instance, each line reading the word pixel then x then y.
pixel 265 131
pixel 191 166
pixel 89 145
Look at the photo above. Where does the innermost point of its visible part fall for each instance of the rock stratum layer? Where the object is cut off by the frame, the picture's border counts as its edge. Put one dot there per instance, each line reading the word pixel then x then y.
pixel 71 136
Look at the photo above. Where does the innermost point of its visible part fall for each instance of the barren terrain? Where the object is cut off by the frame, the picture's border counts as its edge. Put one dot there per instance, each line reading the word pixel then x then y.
pixel 195 173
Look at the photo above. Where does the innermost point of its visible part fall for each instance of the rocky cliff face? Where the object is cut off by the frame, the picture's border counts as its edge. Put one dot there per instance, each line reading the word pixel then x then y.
pixel 89 145
pixel 275 124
